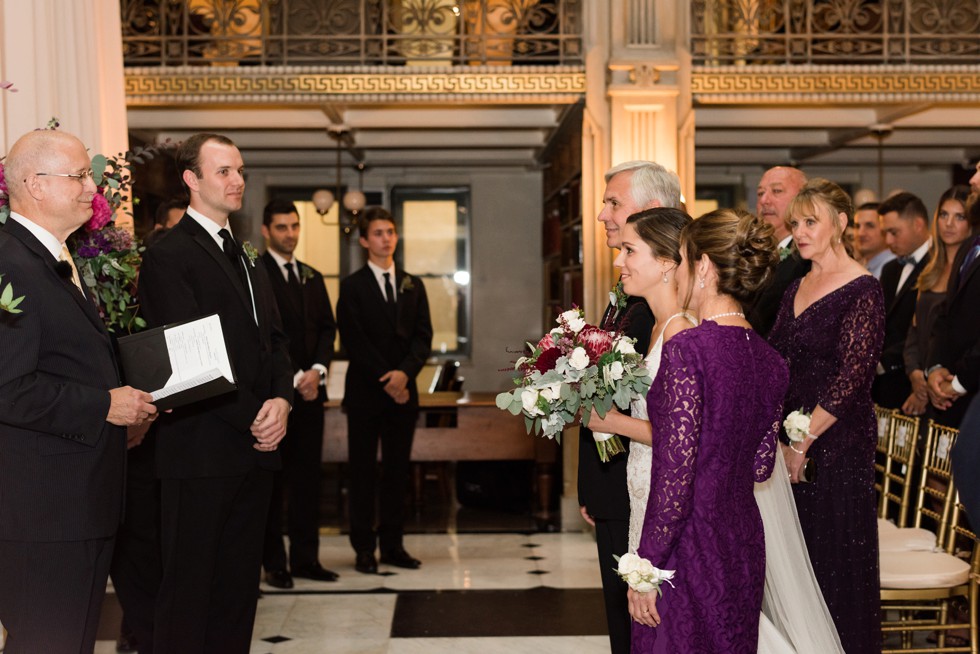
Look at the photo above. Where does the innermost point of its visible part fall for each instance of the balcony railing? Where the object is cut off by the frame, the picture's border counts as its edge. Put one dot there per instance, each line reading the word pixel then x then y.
pixel 726 32
pixel 351 32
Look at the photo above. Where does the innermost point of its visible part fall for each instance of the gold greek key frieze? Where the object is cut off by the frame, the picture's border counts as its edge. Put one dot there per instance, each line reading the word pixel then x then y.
pixel 839 85
pixel 172 87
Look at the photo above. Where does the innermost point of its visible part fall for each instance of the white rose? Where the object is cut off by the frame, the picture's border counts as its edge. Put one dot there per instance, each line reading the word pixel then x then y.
pixel 573 318
pixel 627 563
pixel 529 398
pixel 642 586
pixel 551 392
pixel 645 568
pixel 616 370
pixel 579 359
pixel 624 345
pixel 797 426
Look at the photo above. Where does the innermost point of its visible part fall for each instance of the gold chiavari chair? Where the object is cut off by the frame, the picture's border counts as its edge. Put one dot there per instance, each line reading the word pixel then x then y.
pixel 897 480
pixel 883 417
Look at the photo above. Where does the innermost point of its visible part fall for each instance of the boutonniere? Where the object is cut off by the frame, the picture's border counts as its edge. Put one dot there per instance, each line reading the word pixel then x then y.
pixel 618 297
pixel 785 251
pixel 305 273
pixel 407 285
pixel 250 253
pixel 8 302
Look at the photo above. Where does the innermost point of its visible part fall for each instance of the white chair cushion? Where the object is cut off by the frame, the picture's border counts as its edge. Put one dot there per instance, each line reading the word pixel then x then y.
pixel 885 524
pixel 909 539
pixel 922 570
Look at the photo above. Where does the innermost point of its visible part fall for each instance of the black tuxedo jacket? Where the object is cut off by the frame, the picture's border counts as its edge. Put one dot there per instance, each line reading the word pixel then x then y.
pixel 185 275
pixel 310 324
pixel 61 463
pixel 762 314
pixel 375 343
pixel 602 486
pixel 893 387
pixel 955 339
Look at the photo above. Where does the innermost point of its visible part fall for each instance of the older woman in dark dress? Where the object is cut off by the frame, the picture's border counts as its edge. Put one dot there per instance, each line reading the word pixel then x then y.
pixel 830 328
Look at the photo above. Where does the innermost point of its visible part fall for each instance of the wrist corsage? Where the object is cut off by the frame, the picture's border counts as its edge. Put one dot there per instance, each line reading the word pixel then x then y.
pixel 797 426
pixel 640 575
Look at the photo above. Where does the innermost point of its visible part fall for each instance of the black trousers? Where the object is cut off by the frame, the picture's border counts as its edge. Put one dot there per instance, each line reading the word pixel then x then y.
pixel 394 429
pixel 612 537
pixel 299 484
pixel 136 562
pixel 212 532
pixel 52 593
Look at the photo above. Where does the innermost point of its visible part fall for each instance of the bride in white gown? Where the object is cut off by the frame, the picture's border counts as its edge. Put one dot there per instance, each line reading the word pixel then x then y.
pixel 795 619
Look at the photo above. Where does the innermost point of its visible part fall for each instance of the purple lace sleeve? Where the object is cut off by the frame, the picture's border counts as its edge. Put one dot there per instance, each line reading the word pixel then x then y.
pixel 676 411
pixel 859 348
pixel 765 454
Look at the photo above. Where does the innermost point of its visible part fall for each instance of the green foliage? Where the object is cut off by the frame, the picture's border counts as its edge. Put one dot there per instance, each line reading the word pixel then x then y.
pixel 8 302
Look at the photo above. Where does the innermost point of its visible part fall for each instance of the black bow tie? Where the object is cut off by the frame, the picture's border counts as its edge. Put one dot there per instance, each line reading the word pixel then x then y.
pixel 63 268
pixel 904 261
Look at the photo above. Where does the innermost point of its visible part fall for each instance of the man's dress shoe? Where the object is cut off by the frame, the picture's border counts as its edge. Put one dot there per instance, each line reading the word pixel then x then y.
pixel 366 563
pixel 279 579
pixel 401 559
pixel 316 572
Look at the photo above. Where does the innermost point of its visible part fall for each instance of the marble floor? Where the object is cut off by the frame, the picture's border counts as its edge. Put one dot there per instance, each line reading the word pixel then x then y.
pixel 475 593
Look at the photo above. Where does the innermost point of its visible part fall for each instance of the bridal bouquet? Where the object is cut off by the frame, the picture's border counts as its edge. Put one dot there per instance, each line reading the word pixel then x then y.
pixel 640 575
pixel 574 367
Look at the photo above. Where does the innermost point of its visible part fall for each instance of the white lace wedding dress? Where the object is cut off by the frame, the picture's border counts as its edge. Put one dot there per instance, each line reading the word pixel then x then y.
pixel 795 619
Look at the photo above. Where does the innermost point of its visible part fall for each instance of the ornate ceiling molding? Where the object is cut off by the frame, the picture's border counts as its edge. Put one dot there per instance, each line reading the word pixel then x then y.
pixel 316 85
pixel 839 84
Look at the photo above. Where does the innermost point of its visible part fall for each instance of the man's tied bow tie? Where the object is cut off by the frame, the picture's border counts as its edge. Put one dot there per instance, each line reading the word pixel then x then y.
pixel 904 261
pixel 63 268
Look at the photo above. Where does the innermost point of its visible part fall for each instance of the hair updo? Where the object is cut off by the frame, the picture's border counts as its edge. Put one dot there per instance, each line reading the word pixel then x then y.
pixel 660 228
pixel 741 246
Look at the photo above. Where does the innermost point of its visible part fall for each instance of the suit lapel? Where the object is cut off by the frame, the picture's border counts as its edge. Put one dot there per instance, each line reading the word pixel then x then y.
pixel 280 286
pixel 202 238
pixel 909 285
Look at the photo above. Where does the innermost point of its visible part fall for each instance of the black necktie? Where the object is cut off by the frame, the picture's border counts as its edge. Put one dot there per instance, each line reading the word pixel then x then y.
pixel 233 252
pixel 390 294
pixel 293 283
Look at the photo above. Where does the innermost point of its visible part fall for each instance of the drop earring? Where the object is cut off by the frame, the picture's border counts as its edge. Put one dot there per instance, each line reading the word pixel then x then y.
pixel 665 279
pixel 701 282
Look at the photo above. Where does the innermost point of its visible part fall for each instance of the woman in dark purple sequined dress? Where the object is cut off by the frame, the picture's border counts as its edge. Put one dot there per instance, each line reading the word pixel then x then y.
pixel 830 329
pixel 715 408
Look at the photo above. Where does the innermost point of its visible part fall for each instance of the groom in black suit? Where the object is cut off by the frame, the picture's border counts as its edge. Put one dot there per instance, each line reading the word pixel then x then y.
pixel 383 316
pixel 62 413
pixel 216 458
pixel 308 321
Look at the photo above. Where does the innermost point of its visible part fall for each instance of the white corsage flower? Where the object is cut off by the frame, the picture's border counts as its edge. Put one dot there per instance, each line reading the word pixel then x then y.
pixel 797 426
pixel 579 360
pixel 641 575
pixel 529 398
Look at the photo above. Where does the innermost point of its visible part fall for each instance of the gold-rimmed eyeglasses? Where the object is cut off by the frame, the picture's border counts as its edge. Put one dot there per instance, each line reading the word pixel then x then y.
pixel 81 177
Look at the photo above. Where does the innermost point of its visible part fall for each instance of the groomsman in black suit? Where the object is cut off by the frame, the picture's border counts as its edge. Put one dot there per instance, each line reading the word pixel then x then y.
pixel 602 496
pixel 954 357
pixel 777 188
pixel 307 319
pixel 216 458
pixel 383 316
pixel 62 412
pixel 905 223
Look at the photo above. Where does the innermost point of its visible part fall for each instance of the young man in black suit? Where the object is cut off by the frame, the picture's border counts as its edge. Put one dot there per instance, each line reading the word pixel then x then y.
pixel 62 436
pixel 215 458
pixel 307 319
pixel 383 316
pixel 905 223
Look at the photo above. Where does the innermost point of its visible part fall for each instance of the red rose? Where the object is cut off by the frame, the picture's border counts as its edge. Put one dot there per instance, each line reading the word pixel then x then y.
pixel 547 359
pixel 596 342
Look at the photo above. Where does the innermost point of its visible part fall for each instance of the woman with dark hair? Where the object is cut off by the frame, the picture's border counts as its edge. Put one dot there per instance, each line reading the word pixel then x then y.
pixel 950 229
pixel 714 408
pixel 830 329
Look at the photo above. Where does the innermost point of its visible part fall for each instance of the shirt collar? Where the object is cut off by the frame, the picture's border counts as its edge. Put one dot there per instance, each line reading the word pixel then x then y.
pixel 378 270
pixel 48 240
pixel 209 225
pixel 786 241
pixel 922 250
pixel 280 260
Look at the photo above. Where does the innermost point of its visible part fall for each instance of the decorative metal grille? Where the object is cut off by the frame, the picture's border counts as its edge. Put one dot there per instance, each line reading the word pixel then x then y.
pixel 353 32
pixel 835 31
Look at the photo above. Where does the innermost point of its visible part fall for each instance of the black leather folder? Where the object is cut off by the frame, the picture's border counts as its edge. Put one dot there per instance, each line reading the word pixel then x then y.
pixel 145 363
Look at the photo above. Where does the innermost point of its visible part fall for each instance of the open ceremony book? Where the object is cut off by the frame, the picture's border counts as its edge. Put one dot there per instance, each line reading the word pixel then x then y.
pixel 178 364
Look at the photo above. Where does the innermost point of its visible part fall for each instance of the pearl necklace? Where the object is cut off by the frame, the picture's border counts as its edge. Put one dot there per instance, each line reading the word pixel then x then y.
pixel 734 314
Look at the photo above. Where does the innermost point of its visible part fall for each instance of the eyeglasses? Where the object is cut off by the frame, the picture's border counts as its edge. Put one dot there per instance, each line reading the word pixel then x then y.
pixel 81 177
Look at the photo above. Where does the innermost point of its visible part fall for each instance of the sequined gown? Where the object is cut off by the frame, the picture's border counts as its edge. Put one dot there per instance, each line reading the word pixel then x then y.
pixel 714 407
pixel 832 349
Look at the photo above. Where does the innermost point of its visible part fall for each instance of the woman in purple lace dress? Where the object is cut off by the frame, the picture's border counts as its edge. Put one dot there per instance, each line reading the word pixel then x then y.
pixel 715 408
pixel 830 328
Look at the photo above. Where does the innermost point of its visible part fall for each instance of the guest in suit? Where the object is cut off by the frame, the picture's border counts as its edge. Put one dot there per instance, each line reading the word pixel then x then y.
pixel 62 436
pixel 307 319
pixel 776 190
pixel 602 490
pixel 872 251
pixel 905 222
pixel 954 354
pixel 950 230
pixel 215 458
pixel 383 317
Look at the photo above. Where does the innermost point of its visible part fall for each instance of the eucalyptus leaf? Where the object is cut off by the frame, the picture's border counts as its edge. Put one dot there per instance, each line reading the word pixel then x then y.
pixel 504 400
pixel 99 163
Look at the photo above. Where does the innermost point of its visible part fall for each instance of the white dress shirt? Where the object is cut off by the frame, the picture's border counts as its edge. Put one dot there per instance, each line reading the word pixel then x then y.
pixel 379 276
pixel 918 255
pixel 48 240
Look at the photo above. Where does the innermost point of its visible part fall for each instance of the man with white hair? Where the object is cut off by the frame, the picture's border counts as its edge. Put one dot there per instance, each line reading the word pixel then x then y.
pixel 63 415
pixel 630 187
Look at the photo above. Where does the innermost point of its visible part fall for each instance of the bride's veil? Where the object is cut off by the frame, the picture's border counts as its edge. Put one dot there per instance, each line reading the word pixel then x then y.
pixel 792 602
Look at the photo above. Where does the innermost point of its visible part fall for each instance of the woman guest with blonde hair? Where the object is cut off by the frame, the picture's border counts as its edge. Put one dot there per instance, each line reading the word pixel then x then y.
pixel 714 408
pixel 950 230
pixel 830 328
